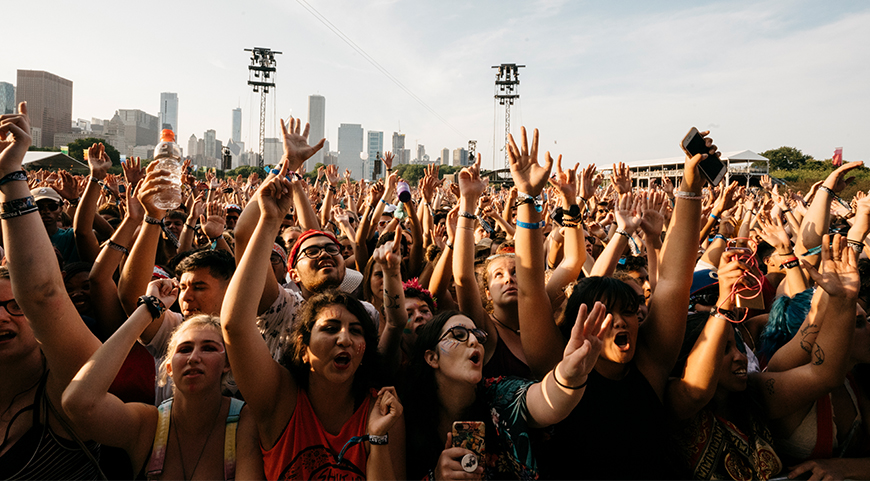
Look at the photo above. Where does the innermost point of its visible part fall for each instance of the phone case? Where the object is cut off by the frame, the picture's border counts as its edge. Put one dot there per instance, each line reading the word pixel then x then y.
pixel 469 435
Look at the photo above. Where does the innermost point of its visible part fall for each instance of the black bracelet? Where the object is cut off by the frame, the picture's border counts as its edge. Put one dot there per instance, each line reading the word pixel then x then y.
pixel 153 220
pixel 118 247
pixel 190 226
pixel 18 207
pixel 572 388
pixel 75 202
pixel 14 176
pixel 155 306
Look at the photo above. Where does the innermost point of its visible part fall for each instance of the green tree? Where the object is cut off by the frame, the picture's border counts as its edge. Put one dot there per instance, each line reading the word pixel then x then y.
pixel 786 158
pixel 77 148
pixel 245 171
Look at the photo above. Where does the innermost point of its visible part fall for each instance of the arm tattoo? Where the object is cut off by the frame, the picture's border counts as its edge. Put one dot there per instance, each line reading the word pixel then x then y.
pixel 818 356
pixel 391 302
pixel 810 330
pixel 768 385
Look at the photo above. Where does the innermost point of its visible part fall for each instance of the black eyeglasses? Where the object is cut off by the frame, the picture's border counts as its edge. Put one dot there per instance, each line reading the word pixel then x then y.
pixel 313 252
pixel 460 333
pixel 12 307
pixel 49 206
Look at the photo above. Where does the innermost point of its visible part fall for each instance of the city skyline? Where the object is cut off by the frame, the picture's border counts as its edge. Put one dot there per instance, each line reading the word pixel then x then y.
pixel 765 73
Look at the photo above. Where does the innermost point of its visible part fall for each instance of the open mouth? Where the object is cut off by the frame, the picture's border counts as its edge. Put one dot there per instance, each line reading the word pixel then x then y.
pixel 192 372
pixel 475 358
pixel 342 360
pixel 622 341
pixel 6 335
pixel 740 372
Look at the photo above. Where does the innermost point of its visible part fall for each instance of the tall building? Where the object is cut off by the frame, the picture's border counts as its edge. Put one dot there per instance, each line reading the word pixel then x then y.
pixel 237 126
pixel 210 145
pixel 421 153
pixel 445 156
pixel 399 149
pixel 49 102
pixel 168 118
pixel 374 168
pixel 350 145
pixel 317 120
pixel 460 157
pixel 273 149
pixel 7 98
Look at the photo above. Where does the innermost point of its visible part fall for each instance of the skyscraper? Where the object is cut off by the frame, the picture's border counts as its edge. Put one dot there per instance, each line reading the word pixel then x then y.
pixel 209 146
pixel 7 98
pixel 399 149
pixel 460 157
pixel 168 117
pixel 445 156
pixel 49 102
pixel 191 146
pixel 237 125
pixel 421 153
pixel 350 145
pixel 317 120
pixel 374 166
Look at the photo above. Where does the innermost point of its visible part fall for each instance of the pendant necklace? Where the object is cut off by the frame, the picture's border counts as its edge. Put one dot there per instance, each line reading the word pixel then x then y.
pixel 201 451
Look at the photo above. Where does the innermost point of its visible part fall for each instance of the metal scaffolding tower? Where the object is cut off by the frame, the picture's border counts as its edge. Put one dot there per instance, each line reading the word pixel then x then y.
pixel 261 75
pixel 506 81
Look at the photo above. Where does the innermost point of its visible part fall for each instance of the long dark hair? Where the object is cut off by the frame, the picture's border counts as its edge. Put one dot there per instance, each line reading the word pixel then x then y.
pixel 614 293
pixel 367 375
pixel 419 396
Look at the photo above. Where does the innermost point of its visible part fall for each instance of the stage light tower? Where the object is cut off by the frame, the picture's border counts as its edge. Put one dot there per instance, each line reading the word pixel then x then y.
pixel 261 75
pixel 506 81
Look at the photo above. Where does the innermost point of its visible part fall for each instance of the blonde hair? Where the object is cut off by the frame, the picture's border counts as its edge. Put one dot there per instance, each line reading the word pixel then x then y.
pixel 197 321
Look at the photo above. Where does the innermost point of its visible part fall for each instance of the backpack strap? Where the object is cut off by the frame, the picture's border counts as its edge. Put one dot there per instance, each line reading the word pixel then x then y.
pixel 158 449
pixel 230 439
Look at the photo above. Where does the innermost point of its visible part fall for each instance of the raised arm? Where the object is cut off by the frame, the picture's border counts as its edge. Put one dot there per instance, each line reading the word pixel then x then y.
pixel 83 223
pixel 390 258
pixel 785 393
pixel 442 275
pixel 540 337
pixel 818 218
pixel 661 334
pixel 37 284
pixel 552 400
pixel 467 291
pixel 268 388
pixel 575 241
pixel 773 232
pixel 101 416
pixel 690 393
pixel 627 221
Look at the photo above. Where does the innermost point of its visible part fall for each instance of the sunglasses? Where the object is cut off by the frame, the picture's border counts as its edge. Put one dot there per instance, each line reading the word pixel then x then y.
pixel 460 333
pixel 49 206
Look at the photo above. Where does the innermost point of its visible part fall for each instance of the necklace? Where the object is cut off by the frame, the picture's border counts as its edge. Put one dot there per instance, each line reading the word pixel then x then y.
pixel 515 331
pixel 201 451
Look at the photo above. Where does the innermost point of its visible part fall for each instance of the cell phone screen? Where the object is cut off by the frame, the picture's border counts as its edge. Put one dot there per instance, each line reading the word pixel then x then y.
pixel 712 166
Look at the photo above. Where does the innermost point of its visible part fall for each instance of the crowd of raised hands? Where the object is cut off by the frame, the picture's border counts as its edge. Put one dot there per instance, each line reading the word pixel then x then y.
pixel 560 322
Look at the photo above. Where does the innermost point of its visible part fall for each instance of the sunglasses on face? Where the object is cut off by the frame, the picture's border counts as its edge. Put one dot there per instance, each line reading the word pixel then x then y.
pixel 49 206
pixel 12 307
pixel 313 252
pixel 460 333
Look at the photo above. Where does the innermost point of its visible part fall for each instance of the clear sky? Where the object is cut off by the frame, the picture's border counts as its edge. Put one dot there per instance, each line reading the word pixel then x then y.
pixel 604 81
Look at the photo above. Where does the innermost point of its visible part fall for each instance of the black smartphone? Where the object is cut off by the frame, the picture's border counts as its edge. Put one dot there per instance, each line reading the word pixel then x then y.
pixel 122 188
pixel 712 167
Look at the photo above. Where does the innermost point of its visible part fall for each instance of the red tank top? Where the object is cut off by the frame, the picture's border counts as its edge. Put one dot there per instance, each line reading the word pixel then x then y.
pixel 306 451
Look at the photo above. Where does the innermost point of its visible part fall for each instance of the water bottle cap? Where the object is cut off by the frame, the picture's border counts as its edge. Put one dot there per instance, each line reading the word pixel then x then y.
pixel 167 136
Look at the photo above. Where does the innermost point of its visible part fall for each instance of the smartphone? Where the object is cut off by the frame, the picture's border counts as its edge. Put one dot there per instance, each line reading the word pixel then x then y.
pixel 469 435
pixel 711 167
pixel 122 188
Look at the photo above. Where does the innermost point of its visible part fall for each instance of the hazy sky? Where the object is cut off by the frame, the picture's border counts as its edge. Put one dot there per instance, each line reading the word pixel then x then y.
pixel 604 81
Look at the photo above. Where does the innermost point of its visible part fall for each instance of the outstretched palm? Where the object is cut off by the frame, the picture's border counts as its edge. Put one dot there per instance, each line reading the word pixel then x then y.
pixel 296 148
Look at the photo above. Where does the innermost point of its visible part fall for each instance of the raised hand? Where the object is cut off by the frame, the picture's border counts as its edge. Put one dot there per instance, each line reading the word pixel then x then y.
pixel 388 160
pixel 214 220
pixel 332 175
pixel 566 182
pixel 693 179
pixel 451 223
pixel 66 186
pixel 621 178
pixel 586 178
pixel 652 215
pixel 838 271
pixel 584 346
pixel 276 195
pixel 529 177
pixel 389 254
pixel 471 185
pixel 731 278
pixel 164 289
pixel 626 212
pixel 668 186
pixel 134 208
pixel 98 161
pixel 12 150
pixel 386 412
pixel 295 140
pixel 837 180
pixel 155 181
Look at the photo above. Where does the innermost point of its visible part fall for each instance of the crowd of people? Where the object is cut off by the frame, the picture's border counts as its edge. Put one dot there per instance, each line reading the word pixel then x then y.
pixel 566 327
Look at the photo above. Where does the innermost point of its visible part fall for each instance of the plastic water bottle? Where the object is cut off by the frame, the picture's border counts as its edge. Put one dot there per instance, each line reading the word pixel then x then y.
pixel 404 191
pixel 168 157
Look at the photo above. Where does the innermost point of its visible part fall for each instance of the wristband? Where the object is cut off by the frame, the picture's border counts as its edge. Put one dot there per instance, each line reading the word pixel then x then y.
pixel 467 215
pixel 789 263
pixel 118 247
pixel 18 207
pixel 828 190
pixel 622 232
pixel 75 202
pixel 531 225
pixel 720 236
pixel 377 440
pixel 687 195
pixel 155 306
pixel 189 226
pixel 14 176
pixel 152 220
pixel 714 216
pixel 95 180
